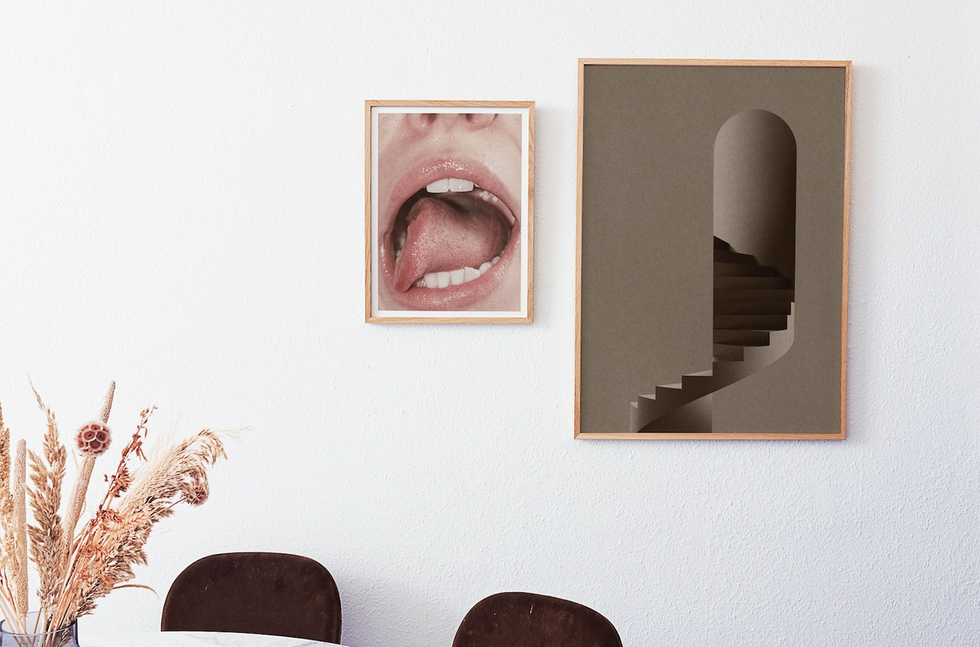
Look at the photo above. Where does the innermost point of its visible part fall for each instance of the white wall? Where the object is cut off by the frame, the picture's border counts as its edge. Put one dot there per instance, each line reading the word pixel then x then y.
pixel 181 199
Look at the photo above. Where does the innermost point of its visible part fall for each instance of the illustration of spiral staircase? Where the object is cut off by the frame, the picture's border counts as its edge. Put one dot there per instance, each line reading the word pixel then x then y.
pixel 753 327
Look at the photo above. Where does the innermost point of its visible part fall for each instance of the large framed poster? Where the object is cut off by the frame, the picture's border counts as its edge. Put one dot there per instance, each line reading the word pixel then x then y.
pixel 712 249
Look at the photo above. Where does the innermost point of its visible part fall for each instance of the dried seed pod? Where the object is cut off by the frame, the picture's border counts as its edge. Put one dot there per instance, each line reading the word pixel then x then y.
pixel 93 438
pixel 195 491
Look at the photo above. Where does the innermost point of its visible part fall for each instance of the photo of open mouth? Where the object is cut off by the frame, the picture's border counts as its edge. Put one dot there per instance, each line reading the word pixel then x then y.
pixel 449 219
pixel 450 237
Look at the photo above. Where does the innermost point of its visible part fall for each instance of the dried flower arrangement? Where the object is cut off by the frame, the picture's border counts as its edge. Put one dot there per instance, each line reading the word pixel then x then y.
pixel 75 569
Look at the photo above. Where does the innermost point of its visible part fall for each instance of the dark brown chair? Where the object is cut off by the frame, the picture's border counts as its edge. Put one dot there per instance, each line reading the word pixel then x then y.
pixel 532 620
pixel 255 593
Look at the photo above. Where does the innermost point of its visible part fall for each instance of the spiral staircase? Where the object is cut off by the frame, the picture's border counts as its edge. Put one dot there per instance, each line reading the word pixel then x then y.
pixel 753 327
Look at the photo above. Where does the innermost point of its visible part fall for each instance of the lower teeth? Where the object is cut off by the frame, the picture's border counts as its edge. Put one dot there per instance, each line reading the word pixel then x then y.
pixel 435 280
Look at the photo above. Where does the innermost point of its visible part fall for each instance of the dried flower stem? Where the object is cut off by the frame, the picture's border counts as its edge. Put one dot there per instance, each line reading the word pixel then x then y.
pixel 8 546
pixel 12 616
pixel 47 541
pixel 6 501
pixel 76 501
pixel 20 532
pixel 107 402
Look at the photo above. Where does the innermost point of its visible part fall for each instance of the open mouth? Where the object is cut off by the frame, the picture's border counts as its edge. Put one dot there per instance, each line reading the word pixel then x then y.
pixel 452 231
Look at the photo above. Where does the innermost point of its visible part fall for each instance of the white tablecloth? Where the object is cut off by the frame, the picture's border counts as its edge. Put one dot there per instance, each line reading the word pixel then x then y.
pixel 192 639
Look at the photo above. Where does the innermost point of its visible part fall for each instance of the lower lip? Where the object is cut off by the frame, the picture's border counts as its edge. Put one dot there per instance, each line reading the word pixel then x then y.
pixel 454 297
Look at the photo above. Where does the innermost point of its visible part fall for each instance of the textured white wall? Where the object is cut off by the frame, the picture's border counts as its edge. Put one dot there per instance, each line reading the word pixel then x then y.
pixel 181 195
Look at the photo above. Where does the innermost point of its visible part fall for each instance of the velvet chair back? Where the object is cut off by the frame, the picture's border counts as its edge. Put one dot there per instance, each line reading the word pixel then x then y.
pixel 256 593
pixel 532 620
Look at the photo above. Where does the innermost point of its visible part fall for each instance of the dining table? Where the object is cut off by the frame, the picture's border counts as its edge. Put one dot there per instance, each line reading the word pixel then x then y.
pixel 193 639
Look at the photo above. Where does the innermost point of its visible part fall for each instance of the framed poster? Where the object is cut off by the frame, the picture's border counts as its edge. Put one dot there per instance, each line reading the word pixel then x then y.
pixel 712 249
pixel 450 188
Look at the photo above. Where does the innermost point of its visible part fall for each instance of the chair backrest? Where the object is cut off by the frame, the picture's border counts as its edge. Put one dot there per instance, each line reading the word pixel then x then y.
pixel 533 620
pixel 255 593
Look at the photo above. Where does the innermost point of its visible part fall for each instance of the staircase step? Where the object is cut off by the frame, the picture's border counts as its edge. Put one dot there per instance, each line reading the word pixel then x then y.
pixel 728 353
pixel 753 295
pixel 752 283
pixel 696 386
pixel 741 337
pixel 744 269
pixel 753 307
pixel 722 245
pixel 750 322
pixel 724 256
pixel 669 395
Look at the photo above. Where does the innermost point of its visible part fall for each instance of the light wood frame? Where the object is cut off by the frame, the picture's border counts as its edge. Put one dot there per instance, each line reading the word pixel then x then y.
pixel 373 312
pixel 612 432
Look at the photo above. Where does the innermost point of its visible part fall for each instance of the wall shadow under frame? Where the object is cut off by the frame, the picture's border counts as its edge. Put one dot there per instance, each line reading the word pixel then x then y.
pixel 712 249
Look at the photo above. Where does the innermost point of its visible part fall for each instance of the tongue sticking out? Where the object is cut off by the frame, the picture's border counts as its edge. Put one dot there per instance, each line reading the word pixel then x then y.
pixel 444 236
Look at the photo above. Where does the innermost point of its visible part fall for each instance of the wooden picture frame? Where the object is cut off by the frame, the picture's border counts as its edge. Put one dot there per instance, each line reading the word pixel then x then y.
pixel 711 257
pixel 449 211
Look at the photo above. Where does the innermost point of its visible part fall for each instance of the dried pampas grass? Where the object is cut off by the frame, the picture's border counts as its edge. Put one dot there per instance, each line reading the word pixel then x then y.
pixel 75 569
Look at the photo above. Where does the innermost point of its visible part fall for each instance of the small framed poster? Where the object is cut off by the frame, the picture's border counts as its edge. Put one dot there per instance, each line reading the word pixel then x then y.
pixel 449 217
pixel 712 249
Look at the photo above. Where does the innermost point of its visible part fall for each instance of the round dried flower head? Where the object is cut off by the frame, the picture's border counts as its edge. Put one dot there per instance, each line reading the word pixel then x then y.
pixel 196 492
pixel 93 438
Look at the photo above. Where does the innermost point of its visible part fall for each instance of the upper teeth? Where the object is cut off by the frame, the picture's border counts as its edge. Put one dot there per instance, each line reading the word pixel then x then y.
pixel 450 184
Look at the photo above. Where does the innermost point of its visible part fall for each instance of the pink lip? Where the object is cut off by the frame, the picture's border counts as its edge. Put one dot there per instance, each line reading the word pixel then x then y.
pixel 457 297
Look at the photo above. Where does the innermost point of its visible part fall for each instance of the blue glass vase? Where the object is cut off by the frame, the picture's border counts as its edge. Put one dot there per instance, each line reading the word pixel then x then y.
pixel 64 637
